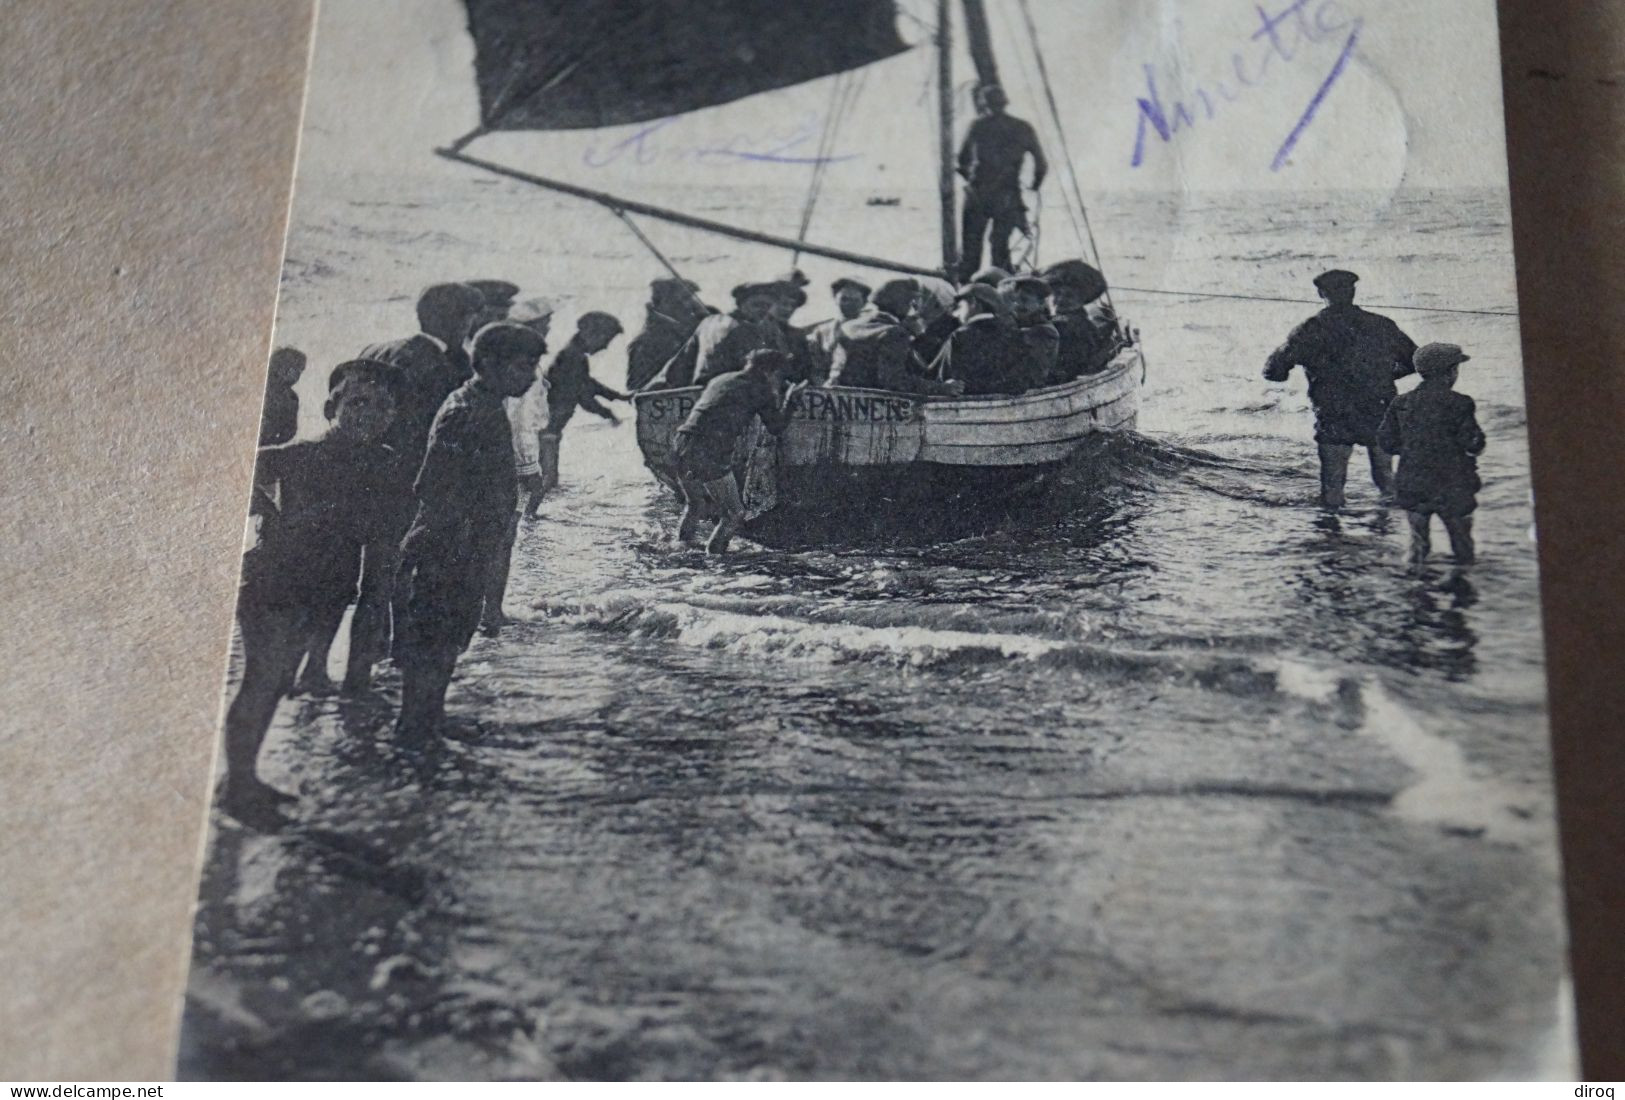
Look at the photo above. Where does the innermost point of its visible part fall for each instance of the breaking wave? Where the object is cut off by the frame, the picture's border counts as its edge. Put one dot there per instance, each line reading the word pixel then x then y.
pixel 713 626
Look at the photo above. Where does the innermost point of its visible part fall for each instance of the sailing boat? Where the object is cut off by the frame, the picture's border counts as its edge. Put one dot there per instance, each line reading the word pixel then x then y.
pixel 577 64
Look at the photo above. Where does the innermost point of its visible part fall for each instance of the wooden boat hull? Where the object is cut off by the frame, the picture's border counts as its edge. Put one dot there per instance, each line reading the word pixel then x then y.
pixel 844 446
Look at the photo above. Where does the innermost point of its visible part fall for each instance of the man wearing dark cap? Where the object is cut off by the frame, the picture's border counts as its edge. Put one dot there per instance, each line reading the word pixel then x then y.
pixel 721 342
pixel 433 365
pixel 875 348
pixel 1084 321
pixel 671 315
pixel 498 295
pixel 990 160
pixel 1028 298
pixel 850 298
pixel 1434 431
pixel 982 351
pixel 466 494
pixel 433 362
pixel 1352 359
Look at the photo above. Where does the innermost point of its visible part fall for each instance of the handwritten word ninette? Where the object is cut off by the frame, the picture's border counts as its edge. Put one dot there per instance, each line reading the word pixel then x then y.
pixel 1281 39
pixel 662 141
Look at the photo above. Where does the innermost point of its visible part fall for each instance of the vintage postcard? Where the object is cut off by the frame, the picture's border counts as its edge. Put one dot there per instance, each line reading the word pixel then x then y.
pixel 915 539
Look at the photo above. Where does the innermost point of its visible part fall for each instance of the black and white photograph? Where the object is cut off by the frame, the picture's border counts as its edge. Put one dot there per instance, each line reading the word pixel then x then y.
pixel 889 540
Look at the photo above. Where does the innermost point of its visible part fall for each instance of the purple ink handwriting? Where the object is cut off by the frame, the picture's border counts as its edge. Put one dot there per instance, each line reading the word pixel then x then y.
pixel 1285 37
pixel 662 141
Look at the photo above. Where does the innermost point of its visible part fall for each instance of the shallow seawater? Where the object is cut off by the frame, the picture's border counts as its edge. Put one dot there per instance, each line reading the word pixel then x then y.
pixel 1164 773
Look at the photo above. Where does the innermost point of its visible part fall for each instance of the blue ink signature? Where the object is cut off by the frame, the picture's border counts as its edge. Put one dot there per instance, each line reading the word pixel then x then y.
pixel 1281 36
pixel 653 144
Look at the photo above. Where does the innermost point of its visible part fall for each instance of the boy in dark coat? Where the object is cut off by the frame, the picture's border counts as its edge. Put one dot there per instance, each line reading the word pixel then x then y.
pixel 1436 435
pixel 985 354
pixel 1040 341
pixel 466 495
pixel 1083 319
pixel 875 350
pixel 673 313
pixel 317 502
pixel 571 386
pixel 433 364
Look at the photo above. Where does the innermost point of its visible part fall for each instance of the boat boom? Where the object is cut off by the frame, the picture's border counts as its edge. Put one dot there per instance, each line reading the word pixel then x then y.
pixel 618 204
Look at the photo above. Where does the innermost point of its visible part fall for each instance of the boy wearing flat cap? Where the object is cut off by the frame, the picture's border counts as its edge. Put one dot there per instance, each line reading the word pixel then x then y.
pixel 1436 435
pixel 721 342
pixel 466 493
pixel 316 502
pixel 1040 342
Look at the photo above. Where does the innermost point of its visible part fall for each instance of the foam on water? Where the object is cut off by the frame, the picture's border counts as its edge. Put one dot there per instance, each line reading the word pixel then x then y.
pixel 1161 769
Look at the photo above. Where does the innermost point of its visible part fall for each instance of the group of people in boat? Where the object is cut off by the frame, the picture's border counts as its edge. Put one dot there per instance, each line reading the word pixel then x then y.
pixel 997 334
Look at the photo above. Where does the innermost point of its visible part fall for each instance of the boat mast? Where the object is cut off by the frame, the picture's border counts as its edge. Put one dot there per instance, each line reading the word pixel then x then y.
pixel 945 137
pixel 981 43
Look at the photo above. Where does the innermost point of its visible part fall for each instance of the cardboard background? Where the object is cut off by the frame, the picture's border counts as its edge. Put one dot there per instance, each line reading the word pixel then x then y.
pixel 142 206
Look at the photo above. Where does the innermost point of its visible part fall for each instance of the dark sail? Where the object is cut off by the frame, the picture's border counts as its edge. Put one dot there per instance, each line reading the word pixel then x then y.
pixel 580 64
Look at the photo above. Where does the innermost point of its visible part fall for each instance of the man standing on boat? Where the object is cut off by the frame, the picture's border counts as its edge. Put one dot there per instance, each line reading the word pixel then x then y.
pixel 1352 359
pixel 990 160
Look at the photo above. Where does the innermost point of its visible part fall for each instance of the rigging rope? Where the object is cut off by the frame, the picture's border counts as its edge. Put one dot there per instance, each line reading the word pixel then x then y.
pixel 659 255
pixel 1030 85
pixel 842 104
pixel 1071 168
pixel 1310 302
pixel 843 100
pixel 837 89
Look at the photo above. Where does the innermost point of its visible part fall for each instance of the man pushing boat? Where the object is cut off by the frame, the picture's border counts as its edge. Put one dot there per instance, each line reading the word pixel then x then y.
pixel 707 438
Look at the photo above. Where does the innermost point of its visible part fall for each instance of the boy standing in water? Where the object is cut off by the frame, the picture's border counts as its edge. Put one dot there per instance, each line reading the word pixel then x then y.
pixel 571 386
pixel 466 494
pixel 317 502
pixel 1436 435
pixel 705 442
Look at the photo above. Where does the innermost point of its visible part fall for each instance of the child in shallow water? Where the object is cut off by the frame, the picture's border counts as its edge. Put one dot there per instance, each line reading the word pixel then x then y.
pixel 1434 431
pixel 317 502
